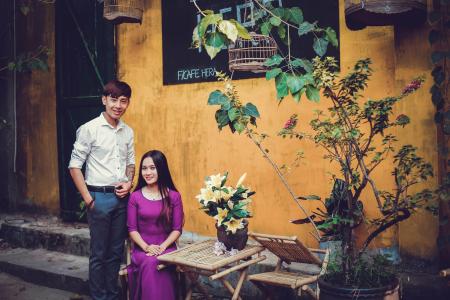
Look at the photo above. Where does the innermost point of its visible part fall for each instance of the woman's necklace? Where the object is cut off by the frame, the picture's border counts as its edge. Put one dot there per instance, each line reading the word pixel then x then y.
pixel 151 195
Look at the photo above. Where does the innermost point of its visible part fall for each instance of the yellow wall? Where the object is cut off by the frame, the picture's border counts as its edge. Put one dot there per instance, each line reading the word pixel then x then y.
pixel 37 157
pixel 177 120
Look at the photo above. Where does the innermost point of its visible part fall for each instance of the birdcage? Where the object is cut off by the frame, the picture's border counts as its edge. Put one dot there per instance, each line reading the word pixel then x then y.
pixel 250 55
pixel 123 11
pixel 362 13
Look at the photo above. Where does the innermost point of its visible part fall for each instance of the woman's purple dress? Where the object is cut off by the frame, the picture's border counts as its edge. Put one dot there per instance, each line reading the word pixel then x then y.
pixel 145 281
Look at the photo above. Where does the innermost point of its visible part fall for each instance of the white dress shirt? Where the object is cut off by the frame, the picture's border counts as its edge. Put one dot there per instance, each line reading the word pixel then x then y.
pixel 106 150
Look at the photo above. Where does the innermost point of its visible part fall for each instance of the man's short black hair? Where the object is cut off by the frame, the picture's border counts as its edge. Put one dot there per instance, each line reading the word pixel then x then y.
pixel 116 88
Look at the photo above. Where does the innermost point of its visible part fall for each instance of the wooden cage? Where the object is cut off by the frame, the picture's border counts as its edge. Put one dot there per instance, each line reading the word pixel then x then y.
pixel 250 55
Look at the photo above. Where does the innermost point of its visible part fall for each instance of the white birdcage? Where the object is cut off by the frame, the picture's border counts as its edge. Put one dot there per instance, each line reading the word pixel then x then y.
pixel 250 55
pixel 123 11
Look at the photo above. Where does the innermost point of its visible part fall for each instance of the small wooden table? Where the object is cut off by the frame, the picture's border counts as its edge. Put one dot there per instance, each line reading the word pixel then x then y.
pixel 199 259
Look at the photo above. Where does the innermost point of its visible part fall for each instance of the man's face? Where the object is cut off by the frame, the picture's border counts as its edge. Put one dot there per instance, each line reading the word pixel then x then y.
pixel 115 107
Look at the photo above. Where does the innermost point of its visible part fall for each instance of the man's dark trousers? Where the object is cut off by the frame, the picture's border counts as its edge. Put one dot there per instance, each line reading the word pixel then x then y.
pixel 107 226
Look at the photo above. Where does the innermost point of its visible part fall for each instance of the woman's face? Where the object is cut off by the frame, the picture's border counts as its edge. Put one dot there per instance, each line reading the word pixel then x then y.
pixel 149 171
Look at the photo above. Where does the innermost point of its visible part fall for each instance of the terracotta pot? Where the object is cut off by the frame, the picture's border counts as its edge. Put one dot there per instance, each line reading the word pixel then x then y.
pixel 329 291
pixel 236 240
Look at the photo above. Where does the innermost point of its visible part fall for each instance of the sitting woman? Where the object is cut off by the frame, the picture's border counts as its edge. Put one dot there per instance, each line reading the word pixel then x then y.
pixel 155 221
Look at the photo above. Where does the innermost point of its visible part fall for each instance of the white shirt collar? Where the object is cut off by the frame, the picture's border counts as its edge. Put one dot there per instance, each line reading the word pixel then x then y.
pixel 103 122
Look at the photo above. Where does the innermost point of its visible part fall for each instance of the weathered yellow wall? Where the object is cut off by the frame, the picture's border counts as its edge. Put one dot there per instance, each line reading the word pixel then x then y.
pixel 37 157
pixel 176 120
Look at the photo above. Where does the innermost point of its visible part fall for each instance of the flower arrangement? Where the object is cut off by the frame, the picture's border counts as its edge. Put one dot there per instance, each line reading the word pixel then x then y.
pixel 228 205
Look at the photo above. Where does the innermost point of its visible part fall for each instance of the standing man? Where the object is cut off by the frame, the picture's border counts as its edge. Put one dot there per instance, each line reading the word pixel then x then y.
pixel 105 144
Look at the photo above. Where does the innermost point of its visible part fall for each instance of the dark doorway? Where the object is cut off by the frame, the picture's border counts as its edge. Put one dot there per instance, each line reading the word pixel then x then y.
pixel 85 60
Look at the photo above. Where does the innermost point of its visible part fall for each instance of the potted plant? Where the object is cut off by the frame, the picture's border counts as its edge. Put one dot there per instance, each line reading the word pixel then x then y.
pixel 229 207
pixel 356 135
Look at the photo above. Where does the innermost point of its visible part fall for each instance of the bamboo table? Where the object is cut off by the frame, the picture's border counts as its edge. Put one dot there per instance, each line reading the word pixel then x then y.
pixel 199 259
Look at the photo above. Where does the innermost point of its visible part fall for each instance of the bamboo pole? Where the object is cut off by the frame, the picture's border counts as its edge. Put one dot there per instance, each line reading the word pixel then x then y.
pixel 237 267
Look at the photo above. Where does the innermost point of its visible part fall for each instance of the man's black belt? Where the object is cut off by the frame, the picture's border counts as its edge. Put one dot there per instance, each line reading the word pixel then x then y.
pixel 102 189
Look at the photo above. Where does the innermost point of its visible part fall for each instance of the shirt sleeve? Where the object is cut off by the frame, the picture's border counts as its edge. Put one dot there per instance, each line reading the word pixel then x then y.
pixel 132 213
pixel 177 213
pixel 130 154
pixel 81 148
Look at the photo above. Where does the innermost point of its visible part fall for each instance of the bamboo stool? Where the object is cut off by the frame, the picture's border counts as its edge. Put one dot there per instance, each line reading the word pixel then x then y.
pixel 288 249
pixel 199 259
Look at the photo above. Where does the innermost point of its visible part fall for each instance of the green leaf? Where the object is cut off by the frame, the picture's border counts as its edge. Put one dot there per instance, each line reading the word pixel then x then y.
pixel 222 118
pixel 280 12
pixel 312 93
pixel 281 84
pixel 305 28
pixel 273 61
pixel 195 38
pixel 434 36
pixel 297 96
pixel 275 21
pixel 229 29
pixel 266 27
pixel 282 31
pixel 296 16
pixel 304 63
pixel 331 36
pixel 206 21
pixel 437 56
pixel 243 33
pixel 295 83
pixel 214 43
pixel 217 97
pixel 308 78
pixel 320 46
pixel 336 133
pixel 233 114
pixel 208 12
pixel 11 67
pixel 239 127
pixel 272 73
pixel 251 110
pixel 212 51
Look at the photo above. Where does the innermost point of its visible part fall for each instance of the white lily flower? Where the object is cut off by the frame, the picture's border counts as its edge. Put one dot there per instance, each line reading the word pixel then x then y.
pixel 207 195
pixel 241 179
pixel 215 181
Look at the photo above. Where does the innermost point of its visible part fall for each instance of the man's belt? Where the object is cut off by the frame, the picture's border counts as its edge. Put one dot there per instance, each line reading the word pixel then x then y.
pixel 102 189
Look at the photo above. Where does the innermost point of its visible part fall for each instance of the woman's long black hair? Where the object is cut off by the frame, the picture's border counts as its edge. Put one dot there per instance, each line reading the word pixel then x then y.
pixel 164 182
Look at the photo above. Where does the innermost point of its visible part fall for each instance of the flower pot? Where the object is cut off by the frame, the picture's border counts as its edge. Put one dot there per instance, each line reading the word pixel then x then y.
pixel 329 291
pixel 236 240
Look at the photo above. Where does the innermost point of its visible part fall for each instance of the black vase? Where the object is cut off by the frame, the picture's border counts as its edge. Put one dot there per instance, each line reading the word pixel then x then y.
pixel 236 240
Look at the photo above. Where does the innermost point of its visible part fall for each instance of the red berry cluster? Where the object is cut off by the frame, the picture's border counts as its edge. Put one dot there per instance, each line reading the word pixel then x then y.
pixel 291 123
pixel 414 85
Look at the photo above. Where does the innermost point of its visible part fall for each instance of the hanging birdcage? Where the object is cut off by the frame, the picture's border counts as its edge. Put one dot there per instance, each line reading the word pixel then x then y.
pixel 123 11
pixel 250 55
pixel 362 13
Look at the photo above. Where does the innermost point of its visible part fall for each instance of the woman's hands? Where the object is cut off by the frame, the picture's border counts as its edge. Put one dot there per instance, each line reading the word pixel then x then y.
pixel 154 250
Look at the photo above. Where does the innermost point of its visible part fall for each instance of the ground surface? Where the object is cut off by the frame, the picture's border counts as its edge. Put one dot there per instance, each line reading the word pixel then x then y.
pixel 13 288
